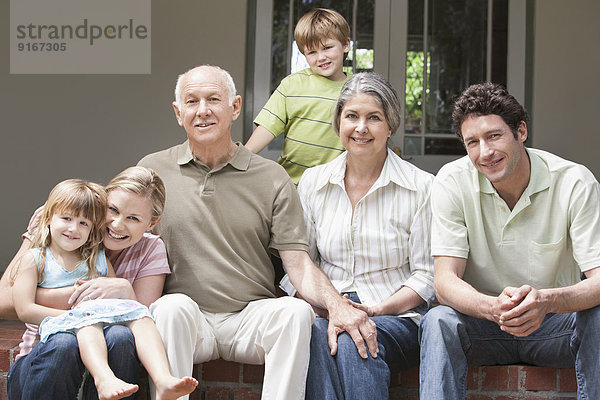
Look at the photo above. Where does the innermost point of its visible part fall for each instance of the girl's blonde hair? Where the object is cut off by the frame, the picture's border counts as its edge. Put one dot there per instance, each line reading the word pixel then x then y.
pixel 144 182
pixel 79 198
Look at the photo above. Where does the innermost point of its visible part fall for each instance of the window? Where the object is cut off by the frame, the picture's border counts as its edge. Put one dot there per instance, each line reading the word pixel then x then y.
pixel 465 43
pixel 430 50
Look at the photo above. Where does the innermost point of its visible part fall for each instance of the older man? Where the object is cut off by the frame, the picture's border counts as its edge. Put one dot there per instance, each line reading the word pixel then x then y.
pixel 227 210
pixel 513 230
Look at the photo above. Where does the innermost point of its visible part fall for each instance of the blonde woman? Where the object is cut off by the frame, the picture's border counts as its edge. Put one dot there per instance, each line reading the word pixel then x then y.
pixel 135 203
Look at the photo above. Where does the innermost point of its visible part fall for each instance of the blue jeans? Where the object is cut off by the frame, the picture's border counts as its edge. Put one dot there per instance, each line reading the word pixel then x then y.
pixel 450 341
pixel 54 370
pixel 348 376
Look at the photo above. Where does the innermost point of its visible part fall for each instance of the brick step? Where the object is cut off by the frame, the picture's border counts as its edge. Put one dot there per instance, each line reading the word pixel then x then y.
pixel 225 380
pixel 10 337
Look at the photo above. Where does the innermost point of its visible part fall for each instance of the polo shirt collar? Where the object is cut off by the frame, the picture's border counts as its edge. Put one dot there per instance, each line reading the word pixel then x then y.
pixel 539 178
pixel 540 175
pixel 393 171
pixel 240 159
pixel 184 153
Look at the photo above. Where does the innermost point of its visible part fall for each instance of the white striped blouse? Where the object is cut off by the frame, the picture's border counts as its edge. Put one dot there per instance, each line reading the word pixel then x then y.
pixel 386 243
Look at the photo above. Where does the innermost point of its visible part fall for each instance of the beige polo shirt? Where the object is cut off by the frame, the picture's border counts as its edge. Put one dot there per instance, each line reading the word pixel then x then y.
pixel 551 235
pixel 219 225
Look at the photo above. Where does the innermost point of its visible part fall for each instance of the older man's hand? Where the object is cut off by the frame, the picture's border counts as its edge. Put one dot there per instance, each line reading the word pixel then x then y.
pixel 359 326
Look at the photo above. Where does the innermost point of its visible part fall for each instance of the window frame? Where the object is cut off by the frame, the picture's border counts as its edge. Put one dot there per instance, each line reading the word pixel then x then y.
pixel 390 46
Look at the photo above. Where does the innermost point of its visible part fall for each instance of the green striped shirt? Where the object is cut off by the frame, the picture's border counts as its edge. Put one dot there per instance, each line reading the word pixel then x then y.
pixel 301 108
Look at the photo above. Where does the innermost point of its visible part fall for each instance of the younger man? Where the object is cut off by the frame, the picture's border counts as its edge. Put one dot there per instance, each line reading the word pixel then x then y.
pixel 513 229
pixel 302 106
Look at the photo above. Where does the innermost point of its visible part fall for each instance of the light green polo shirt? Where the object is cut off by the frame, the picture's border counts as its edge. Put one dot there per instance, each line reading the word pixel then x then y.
pixel 302 108
pixel 549 238
pixel 220 225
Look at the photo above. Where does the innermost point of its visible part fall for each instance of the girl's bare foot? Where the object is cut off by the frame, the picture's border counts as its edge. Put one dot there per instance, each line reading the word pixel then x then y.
pixel 171 388
pixel 113 388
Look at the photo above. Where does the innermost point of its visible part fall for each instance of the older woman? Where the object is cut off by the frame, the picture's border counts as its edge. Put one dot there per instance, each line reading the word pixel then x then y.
pixel 136 199
pixel 368 221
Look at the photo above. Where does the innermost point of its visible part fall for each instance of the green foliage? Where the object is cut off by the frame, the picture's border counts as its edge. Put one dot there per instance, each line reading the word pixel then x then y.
pixel 364 59
pixel 414 89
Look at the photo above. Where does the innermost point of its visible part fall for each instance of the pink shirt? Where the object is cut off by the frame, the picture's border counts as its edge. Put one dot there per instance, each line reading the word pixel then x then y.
pixel 145 258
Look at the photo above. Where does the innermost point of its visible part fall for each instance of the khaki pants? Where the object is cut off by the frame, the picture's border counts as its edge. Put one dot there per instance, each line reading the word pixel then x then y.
pixel 274 332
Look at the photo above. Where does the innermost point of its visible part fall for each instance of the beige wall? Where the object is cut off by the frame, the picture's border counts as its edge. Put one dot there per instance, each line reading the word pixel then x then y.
pixel 566 87
pixel 92 126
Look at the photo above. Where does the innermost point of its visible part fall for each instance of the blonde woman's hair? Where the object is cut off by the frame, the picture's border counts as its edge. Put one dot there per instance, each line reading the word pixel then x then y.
pixel 319 24
pixel 143 182
pixel 79 198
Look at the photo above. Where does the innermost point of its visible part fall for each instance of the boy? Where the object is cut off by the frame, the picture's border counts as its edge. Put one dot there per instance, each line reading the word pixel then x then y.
pixel 302 105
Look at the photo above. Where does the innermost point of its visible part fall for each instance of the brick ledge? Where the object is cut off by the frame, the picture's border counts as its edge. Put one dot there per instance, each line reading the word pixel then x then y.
pixel 224 380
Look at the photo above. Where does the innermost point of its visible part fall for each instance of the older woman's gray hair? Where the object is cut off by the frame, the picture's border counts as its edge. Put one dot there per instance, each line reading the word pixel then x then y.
pixel 372 84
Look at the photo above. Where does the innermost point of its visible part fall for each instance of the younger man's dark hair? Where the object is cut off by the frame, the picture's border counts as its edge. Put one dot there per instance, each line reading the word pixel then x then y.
pixel 487 99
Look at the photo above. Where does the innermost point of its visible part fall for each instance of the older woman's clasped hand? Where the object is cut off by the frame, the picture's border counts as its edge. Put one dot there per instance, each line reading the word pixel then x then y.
pixel 370 311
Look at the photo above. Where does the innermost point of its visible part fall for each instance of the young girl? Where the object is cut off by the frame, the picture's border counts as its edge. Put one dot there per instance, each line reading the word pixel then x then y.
pixel 66 248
